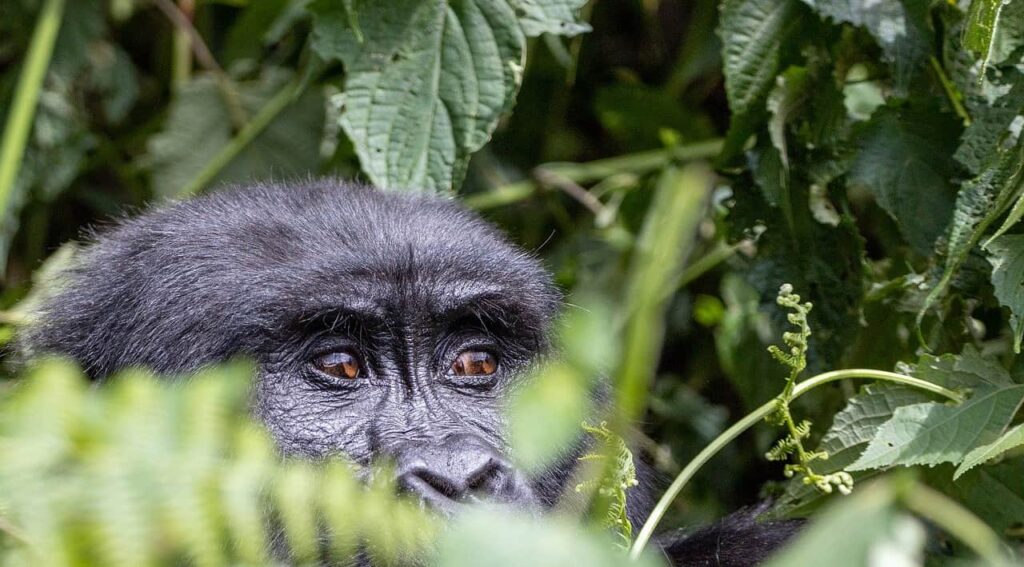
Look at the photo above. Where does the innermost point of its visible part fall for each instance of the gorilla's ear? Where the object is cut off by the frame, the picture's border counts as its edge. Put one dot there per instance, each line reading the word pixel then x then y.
pixel 738 540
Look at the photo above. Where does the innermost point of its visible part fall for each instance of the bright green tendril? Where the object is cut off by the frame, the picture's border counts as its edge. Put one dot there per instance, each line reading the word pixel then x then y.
pixel 614 483
pixel 792 446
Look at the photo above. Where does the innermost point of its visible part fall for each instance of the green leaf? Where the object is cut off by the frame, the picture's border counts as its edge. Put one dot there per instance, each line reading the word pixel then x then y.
pixel 1010 440
pixel 1006 254
pixel 904 159
pixel 969 369
pixel 427 83
pixel 637 116
pixel 558 17
pixel 852 429
pixel 990 126
pixel 980 30
pixel 932 433
pixel 992 492
pixel 1009 34
pixel 980 202
pixel 545 415
pixel 863 529
pixel 897 25
pixel 753 34
pixel 552 541
pixel 199 126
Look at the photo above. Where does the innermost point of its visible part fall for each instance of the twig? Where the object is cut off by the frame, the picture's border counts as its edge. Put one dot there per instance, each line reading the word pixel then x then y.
pixel 227 87
pixel 571 188
pixel 588 172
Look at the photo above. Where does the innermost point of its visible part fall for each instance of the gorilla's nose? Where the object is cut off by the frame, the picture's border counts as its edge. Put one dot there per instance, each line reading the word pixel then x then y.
pixel 462 468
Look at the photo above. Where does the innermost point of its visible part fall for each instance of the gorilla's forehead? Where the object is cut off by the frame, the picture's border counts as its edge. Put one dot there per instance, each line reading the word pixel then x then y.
pixel 324 246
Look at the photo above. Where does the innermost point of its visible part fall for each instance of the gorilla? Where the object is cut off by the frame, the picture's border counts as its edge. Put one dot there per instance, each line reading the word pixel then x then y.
pixel 383 325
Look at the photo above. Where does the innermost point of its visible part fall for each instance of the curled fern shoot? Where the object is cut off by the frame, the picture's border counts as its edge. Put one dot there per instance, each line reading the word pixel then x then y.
pixel 791 446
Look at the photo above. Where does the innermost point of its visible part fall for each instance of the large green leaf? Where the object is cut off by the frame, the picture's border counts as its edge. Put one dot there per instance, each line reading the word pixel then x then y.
pixel 753 34
pixel 983 18
pixel 852 429
pixel 904 159
pixel 1006 255
pixel 199 126
pixel 427 81
pixel 1010 440
pixel 932 433
pixel 499 537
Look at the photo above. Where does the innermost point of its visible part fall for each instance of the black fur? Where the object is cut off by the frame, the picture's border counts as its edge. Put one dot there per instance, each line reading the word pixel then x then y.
pixel 282 273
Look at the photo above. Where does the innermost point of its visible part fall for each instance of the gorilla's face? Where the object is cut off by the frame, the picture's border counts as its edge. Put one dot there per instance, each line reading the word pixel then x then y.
pixel 408 357
pixel 385 327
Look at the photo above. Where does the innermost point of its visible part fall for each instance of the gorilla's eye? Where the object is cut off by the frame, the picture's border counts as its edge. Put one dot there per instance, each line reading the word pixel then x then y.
pixel 474 363
pixel 339 364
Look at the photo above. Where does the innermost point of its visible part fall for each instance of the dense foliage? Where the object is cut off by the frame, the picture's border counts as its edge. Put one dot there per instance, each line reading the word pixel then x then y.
pixel 867 154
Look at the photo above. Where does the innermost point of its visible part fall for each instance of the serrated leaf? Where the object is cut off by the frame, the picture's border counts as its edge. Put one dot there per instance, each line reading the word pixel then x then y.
pixel 1010 440
pixel 753 33
pixel 969 369
pixel 903 158
pixel 1006 254
pixel 980 202
pixel 931 433
pixel 428 81
pixel 991 126
pixel 980 30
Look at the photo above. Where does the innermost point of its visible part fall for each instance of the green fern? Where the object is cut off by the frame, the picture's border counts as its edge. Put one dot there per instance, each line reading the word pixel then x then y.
pixel 791 446
pixel 615 481
pixel 145 471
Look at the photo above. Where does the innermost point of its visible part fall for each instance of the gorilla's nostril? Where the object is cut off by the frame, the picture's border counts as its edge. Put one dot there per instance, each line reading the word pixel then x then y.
pixel 454 471
pixel 489 479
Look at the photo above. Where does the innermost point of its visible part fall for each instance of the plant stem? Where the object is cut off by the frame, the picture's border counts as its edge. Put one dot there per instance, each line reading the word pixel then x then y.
pixel 26 99
pixel 958 521
pixel 253 128
pixel 582 173
pixel 954 96
pixel 754 417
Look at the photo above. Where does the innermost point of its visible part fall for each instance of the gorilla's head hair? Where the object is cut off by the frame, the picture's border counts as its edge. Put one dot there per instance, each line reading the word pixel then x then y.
pixel 382 324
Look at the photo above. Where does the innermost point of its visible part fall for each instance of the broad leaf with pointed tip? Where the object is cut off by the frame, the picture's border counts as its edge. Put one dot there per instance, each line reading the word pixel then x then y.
pixel 427 81
pixel 1010 440
pixel 932 433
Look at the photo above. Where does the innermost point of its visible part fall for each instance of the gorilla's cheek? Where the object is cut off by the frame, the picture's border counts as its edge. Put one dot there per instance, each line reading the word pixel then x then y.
pixel 310 421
